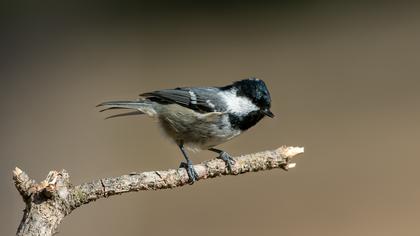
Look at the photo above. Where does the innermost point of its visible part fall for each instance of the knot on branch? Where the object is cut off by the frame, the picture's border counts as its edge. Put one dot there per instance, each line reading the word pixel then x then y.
pixel 56 184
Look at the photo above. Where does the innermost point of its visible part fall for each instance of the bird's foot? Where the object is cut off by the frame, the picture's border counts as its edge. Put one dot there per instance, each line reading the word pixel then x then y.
pixel 192 174
pixel 227 159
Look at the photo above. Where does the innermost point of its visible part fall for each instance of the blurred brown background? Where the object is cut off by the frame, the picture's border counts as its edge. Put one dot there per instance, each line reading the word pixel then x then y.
pixel 344 79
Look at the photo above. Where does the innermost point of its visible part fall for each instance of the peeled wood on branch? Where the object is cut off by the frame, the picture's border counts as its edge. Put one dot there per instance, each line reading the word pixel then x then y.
pixel 48 202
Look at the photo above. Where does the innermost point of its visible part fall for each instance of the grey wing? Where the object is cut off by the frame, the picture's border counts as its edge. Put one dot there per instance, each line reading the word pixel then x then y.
pixel 199 99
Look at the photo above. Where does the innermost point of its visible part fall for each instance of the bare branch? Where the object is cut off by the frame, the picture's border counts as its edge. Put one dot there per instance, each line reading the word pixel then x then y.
pixel 55 197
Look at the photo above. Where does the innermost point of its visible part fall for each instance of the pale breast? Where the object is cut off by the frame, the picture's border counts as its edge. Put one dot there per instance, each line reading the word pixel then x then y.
pixel 196 130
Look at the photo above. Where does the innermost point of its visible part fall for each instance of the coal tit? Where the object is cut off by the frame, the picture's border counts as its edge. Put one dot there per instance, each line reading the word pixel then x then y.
pixel 201 118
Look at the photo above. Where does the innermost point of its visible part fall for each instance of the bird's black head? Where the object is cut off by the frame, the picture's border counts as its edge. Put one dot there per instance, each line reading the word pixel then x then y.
pixel 257 92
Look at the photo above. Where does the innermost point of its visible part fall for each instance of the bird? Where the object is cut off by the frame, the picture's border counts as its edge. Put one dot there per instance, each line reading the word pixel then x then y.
pixel 200 118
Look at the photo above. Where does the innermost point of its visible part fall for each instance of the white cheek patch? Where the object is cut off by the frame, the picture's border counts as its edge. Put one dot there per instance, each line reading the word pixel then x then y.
pixel 237 105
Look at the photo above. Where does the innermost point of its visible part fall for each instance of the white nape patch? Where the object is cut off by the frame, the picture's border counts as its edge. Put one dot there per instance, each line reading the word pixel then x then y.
pixel 210 104
pixel 193 97
pixel 236 104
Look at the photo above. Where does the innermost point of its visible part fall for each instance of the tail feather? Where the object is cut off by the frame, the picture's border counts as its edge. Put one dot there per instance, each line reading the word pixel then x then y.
pixel 141 107
pixel 121 104
pixel 111 108
pixel 132 113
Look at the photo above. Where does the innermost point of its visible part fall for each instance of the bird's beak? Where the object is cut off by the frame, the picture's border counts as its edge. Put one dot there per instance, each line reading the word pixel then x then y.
pixel 268 113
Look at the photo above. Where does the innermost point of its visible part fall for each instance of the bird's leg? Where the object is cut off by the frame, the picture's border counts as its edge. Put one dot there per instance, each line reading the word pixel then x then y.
pixel 189 166
pixel 225 157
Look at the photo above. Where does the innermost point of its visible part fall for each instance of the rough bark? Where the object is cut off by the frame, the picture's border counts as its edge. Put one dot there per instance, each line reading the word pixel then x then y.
pixel 49 201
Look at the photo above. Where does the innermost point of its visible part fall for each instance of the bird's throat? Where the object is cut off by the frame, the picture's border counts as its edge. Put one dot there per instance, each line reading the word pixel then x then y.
pixel 245 122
